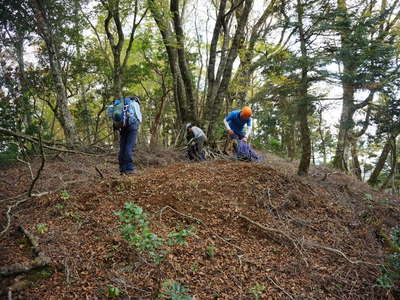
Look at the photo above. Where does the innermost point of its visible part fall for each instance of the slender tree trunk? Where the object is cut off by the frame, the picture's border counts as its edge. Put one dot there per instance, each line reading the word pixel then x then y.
pixel 64 115
pixel 346 124
pixel 214 106
pixel 183 66
pixel 154 131
pixel 291 149
pixel 356 163
pixel 393 165
pixel 304 102
pixel 25 105
pixel 373 179
pixel 185 107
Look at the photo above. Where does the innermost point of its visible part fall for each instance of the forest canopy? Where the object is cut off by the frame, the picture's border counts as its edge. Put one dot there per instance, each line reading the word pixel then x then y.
pixel 321 76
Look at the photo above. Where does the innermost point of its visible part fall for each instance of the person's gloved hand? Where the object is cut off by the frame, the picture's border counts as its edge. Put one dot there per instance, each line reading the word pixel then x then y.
pixel 244 139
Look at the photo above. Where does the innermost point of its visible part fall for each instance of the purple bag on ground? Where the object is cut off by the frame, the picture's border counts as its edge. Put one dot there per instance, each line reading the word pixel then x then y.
pixel 244 152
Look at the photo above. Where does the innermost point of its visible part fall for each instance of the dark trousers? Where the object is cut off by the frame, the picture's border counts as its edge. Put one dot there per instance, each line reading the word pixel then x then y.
pixel 127 143
pixel 235 137
pixel 196 152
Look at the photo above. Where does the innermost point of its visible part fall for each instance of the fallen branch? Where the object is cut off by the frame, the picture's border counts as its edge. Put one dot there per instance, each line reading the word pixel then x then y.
pixel 306 243
pixel 179 213
pixel 271 230
pixel 40 168
pixel 99 172
pixel 29 166
pixel 40 261
pixel 46 144
pixel 8 216
pixel 316 245
pixel 279 287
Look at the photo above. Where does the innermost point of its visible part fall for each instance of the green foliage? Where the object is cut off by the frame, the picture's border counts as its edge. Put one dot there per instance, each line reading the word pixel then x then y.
pixel 9 154
pixel 211 251
pixel 40 274
pixel 42 228
pixel 173 290
pixel 391 270
pixel 113 291
pixel 64 195
pixel 257 290
pixel 137 232
pixel 178 238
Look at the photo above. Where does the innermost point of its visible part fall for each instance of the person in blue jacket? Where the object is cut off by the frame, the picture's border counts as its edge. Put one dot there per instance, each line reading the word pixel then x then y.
pixel 128 134
pixel 235 122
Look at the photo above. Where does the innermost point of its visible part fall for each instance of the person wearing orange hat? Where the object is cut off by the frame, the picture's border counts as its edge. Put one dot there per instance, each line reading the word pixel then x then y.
pixel 235 122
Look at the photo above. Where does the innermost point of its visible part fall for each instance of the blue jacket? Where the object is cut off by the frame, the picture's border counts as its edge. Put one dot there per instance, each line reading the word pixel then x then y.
pixel 236 123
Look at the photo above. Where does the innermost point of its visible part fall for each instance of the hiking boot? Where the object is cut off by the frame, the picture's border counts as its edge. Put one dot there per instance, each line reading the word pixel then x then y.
pixel 130 172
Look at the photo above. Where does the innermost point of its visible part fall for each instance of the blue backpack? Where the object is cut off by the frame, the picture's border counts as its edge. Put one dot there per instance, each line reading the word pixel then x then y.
pixel 124 112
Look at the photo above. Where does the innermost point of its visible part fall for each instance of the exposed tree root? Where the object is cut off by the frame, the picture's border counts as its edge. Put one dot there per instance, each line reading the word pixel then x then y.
pixel 41 260
pixel 305 243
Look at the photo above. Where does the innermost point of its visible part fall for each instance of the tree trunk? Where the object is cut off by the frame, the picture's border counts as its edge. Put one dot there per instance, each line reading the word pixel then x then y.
pixel 356 163
pixel 303 105
pixel 64 115
pixel 117 43
pixel 373 179
pixel 393 165
pixel 154 131
pixel 183 67
pixel 177 62
pixel 214 106
pixel 25 105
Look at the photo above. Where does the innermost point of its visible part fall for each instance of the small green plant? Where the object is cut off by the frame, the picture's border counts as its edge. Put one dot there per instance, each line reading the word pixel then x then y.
pixel 194 267
pixel 41 228
pixel 257 290
pixel 178 238
pixel 211 251
pixel 173 290
pixel 59 206
pixel 64 195
pixel 73 215
pixel 137 232
pixel 40 274
pixel 368 197
pixel 113 291
pixel 391 270
pixel 120 187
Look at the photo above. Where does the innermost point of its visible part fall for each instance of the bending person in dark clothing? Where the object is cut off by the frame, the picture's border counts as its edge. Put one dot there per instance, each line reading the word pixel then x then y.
pixel 196 144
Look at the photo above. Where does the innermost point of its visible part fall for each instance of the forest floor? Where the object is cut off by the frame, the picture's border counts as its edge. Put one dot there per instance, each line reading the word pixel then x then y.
pixel 260 230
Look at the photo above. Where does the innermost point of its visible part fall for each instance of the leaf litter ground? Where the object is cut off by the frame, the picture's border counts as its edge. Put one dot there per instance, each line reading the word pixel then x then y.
pixel 256 224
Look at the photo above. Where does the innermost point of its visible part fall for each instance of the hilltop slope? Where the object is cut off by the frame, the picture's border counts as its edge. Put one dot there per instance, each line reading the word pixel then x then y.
pixel 257 225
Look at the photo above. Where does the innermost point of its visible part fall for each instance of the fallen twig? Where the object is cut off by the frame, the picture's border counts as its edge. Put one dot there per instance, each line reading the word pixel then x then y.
pixel 272 230
pixel 279 287
pixel 99 172
pixel 29 166
pixel 316 245
pixel 34 140
pixel 305 243
pixel 40 168
pixel 179 213
pixel 276 231
pixel 8 216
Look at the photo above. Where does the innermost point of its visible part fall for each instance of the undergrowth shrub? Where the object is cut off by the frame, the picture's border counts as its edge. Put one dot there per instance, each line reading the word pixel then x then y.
pixel 173 290
pixel 390 278
pixel 136 231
